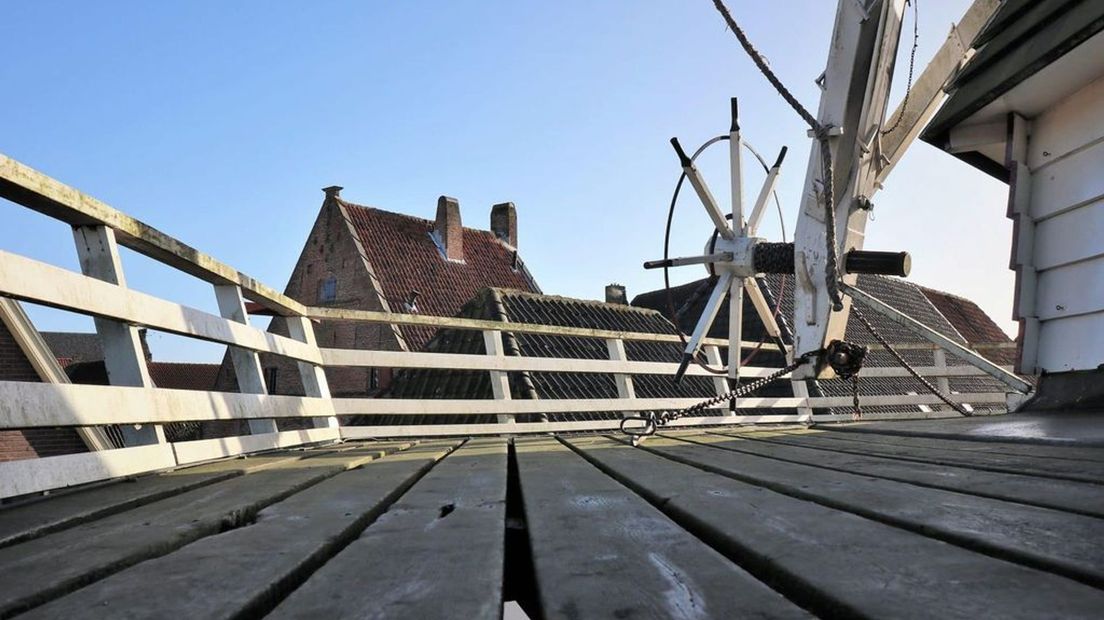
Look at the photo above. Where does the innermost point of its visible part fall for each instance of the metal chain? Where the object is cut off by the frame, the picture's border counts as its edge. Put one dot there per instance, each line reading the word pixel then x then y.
pixel 857 413
pixel 912 64
pixel 904 364
pixel 653 420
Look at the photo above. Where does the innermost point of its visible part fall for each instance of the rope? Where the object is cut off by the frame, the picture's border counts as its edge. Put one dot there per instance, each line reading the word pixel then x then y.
pixel 820 132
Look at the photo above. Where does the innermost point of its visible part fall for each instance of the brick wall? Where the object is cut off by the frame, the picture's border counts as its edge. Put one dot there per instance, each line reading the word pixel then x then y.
pixel 29 443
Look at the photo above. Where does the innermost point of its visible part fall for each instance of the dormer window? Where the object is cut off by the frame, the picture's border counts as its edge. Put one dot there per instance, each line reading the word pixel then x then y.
pixel 410 304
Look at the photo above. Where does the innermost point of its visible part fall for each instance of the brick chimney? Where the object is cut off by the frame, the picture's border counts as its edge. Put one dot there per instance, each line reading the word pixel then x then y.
pixel 616 294
pixel 333 191
pixel 504 222
pixel 448 229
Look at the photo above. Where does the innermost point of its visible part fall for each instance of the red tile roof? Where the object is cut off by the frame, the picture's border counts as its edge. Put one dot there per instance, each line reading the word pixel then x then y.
pixel 970 320
pixel 183 376
pixel 405 257
pixel 974 325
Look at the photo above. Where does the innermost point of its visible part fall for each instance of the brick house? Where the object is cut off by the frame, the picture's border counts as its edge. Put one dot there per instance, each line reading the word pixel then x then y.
pixel 24 356
pixel 363 258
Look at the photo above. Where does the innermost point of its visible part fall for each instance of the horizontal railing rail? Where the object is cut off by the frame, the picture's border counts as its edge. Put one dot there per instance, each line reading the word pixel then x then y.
pixel 30 280
pixel 30 188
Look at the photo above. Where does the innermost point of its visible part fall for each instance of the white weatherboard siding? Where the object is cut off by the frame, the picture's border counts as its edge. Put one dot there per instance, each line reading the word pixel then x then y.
pixel 1067 205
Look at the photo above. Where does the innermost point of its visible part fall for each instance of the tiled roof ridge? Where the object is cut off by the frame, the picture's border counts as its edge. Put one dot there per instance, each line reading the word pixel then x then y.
pixel 428 222
pixel 946 293
pixel 575 300
pixel 920 289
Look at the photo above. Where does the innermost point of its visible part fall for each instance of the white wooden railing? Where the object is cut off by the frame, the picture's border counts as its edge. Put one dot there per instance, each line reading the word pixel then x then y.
pixel 132 403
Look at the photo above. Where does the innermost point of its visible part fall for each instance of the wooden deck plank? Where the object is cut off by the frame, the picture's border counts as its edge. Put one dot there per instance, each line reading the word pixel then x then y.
pixel 601 551
pixel 1051 540
pixel 246 571
pixel 1066 453
pixel 38 570
pixel 22 522
pixel 1077 497
pixel 1058 428
pixel 436 553
pixel 837 563
pixel 1047 468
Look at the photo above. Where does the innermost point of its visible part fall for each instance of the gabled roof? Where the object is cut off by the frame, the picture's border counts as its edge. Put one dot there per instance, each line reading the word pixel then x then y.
pixel 404 258
pixel 966 316
pixel 898 293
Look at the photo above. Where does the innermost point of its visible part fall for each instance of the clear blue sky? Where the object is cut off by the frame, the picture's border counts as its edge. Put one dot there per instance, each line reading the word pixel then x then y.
pixel 219 122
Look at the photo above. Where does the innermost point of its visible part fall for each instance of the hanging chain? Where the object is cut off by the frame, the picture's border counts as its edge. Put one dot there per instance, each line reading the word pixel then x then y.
pixel 912 64
pixel 856 413
pixel 904 364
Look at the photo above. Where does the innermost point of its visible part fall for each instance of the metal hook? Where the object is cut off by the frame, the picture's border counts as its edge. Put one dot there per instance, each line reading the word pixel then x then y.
pixel 647 430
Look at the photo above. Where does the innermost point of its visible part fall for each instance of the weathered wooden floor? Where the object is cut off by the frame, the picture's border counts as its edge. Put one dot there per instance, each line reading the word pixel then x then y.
pixel 885 522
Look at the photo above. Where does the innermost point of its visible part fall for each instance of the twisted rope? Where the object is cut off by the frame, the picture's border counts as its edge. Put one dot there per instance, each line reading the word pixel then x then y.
pixel 820 132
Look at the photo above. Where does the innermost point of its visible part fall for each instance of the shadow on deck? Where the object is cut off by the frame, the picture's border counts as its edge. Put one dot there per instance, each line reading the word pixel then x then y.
pixel 995 517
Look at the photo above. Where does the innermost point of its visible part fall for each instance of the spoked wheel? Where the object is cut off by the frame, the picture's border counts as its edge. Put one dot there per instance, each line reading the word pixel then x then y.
pixel 733 254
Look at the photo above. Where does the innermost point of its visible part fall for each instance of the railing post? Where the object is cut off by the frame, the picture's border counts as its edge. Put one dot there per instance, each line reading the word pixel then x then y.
pixel 500 380
pixel 942 382
pixel 313 377
pixel 124 356
pixel 247 364
pixel 801 390
pixel 624 382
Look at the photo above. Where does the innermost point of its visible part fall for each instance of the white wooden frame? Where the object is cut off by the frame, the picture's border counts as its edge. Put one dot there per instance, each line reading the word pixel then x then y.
pixel 102 294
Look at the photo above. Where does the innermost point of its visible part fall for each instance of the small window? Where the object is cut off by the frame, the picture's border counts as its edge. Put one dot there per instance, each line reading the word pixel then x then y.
pixel 373 379
pixel 327 290
pixel 270 379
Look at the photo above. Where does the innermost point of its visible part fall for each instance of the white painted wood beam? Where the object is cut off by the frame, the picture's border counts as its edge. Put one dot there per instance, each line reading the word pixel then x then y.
pixel 247 364
pixel 26 186
pixel 312 375
pixel 124 356
pixel 500 381
pixel 38 282
pixel 24 405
